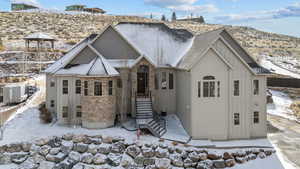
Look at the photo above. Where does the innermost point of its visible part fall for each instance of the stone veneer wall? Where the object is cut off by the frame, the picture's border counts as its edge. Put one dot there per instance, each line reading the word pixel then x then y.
pixel 134 80
pixel 98 111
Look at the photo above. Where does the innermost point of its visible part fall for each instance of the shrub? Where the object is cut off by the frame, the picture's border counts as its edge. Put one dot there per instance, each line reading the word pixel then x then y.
pixel 45 115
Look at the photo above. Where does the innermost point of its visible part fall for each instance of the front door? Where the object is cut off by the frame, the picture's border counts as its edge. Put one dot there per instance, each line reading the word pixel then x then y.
pixel 142 80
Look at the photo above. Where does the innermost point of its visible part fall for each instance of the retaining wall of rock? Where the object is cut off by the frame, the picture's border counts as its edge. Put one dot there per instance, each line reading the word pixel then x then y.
pixel 95 152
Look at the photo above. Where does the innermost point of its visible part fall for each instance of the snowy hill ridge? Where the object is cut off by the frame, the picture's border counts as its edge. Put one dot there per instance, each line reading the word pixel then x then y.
pixel 72 28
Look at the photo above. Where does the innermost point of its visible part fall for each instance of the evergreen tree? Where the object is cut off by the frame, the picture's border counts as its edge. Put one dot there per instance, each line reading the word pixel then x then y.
pixel 163 18
pixel 151 16
pixel 174 18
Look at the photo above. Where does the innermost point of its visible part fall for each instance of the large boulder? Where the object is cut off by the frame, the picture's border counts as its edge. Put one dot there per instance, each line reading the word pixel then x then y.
pixel 133 151
pixel 18 157
pixel 213 155
pixel 118 147
pixel 55 142
pixel 46 165
pixel 104 148
pixel 80 147
pixel 176 160
pixel 161 152
pixel 87 158
pixel 148 152
pixel 29 163
pixel 229 163
pixel 114 159
pixel 42 142
pixel 206 164
pixel 14 147
pixel 99 159
pixel 66 146
pixel 219 163
pixel 56 158
pixel 74 156
pixel 44 150
pixel 163 163
pixel 92 148
pixel 26 146
pixel 195 157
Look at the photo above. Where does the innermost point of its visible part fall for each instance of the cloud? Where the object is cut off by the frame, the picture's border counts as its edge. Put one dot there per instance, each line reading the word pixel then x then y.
pixel 183 5
pixel 289 11
pixel 167 3
pixel 209 8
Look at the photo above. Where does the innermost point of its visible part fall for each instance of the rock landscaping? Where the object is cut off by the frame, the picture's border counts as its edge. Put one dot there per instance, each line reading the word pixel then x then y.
pixel 95 152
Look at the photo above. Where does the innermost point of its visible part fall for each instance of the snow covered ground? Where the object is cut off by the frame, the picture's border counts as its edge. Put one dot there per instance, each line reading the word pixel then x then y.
pixel 281 105
pixel 266 63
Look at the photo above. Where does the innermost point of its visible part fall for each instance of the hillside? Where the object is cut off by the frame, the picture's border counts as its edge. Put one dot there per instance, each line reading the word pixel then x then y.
pixel 71 28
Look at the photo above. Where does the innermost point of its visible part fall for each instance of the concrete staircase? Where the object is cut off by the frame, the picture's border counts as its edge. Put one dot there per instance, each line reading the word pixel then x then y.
pixel 146 118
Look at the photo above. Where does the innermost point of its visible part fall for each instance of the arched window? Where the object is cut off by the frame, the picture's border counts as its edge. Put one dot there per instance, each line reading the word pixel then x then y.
pixel 211 87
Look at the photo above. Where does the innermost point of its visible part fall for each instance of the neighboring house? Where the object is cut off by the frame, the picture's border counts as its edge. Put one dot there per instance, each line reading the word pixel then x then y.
pixel 209 81
pixel 83 8
pixel 19 5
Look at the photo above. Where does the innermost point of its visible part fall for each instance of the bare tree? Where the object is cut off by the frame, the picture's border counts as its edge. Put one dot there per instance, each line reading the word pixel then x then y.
pixel 163 18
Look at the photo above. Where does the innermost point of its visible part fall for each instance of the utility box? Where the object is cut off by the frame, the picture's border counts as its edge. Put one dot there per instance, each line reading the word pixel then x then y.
pixel 14 93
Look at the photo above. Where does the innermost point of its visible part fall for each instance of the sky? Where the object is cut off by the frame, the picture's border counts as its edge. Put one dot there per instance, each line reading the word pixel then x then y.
pixel 278 16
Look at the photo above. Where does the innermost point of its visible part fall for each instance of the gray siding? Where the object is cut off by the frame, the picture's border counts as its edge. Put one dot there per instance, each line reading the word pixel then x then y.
pixel 84 57
pixel 112 46
pixel 183 98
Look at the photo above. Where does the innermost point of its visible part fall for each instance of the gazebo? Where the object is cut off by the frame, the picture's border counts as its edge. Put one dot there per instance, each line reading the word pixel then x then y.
pixel 39 38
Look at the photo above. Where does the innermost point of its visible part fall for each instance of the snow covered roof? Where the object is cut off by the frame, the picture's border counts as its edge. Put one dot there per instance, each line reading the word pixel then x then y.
pixel 156 41
pixel 39 35
pixel 27 2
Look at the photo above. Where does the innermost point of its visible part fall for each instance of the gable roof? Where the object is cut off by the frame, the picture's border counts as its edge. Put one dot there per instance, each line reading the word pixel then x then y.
pixel 156 41
pixel 98 66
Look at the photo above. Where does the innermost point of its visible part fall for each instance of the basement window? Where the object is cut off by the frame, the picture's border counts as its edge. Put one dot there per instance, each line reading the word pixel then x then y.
pixel 65 111
pixel 256 117
pixel 236 91
pixel 110 87
pixel 52 103
pixel 65 86
pixel 199 89
pixel 236 119
pixel 97 89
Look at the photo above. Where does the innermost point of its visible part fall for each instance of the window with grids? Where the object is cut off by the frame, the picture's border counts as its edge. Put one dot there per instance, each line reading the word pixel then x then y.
pixel 256 87
pixel 171 81
pixel 78 86
pixel 65 86
pixel 256 117
pixel 52 103
pixel 236 119
pixel 110 87
pixel 156 81
pixel 86 88
pixel 209 87
pixel 97 89
pixel 65 111
pixel 78 112
pixel 236 91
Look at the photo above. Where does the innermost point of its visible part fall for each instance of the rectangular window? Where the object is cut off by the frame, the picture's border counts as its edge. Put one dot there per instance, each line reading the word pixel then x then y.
pixel 65 87
pixel 256 117
pixel 205 89
pixel 199 89
pixel 236 119
pixel 65 111
pixel 78 86
pixel 110 87
pixel 212 89
pixel 164 80
pixel 97 89
pixel 236 91
pixel 52 103
pixel 52 83
pixel 86 88
pixel 218 88
pixel 171 81
pixel 256 87
pixel 78 112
